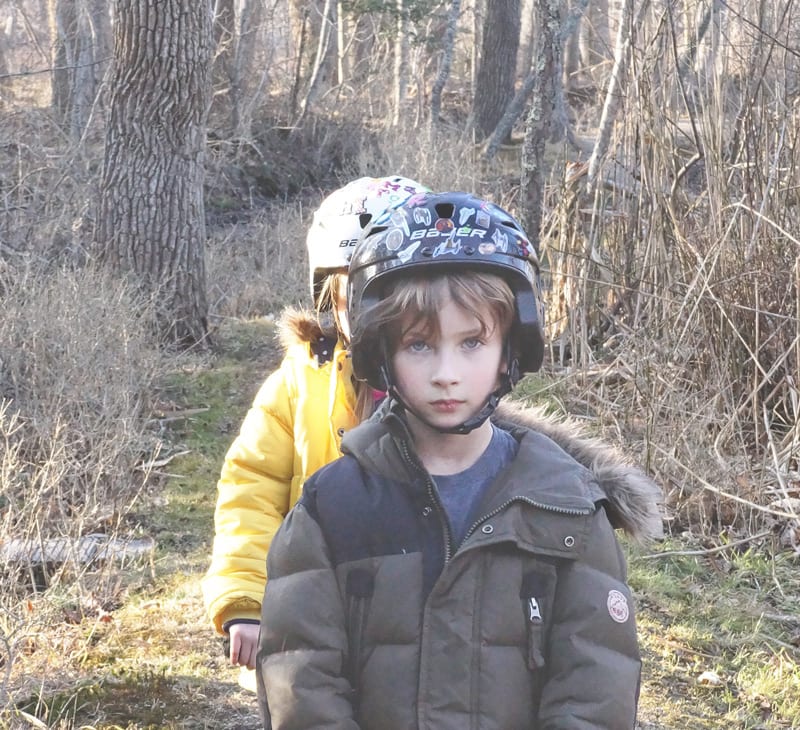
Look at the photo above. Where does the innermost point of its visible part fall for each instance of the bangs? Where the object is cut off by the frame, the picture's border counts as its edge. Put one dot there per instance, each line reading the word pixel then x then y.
pixel 412 304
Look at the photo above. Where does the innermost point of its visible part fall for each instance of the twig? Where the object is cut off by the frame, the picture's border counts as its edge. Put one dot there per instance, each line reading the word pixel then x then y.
pixel 709 551
pixel 161 462
pixel 722 493
pixel 783 644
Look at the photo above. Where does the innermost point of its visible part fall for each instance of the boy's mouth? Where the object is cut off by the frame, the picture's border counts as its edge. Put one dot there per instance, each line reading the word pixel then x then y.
pixel 445 406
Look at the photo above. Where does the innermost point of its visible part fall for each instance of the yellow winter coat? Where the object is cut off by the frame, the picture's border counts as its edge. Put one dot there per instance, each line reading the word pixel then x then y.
pixel 293 428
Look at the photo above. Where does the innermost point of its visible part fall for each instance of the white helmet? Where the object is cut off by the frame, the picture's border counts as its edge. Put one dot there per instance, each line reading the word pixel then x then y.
pixel 342 216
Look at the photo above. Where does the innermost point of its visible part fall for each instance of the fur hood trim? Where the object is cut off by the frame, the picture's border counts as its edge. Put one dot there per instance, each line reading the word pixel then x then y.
pixel 302 326
pixel 635 501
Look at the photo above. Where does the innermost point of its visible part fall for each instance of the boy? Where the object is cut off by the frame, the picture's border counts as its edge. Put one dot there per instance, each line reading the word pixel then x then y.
pixel 452 570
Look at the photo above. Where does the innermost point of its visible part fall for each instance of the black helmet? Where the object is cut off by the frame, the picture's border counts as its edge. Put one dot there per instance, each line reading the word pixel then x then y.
pixel 446 231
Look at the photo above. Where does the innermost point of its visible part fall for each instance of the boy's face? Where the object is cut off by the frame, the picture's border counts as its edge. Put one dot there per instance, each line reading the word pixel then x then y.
pixel 446 378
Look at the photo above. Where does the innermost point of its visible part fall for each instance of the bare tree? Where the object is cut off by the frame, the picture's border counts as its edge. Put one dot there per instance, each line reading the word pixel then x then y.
pixel 400 62
pixel 225 101
pixel 5 32
pixel 497 67
pixel 322 61
pixel 613 98
pixel 445 61
pixel 249 79
pixel 76 29
pixel 151 215
pixel 533 80
pixel 544 102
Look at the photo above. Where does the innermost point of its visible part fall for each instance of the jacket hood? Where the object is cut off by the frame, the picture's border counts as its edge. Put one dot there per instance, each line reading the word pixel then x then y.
pixel 634 502
pixel 302 326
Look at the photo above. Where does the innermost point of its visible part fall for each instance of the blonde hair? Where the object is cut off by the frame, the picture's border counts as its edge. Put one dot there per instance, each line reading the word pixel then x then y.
pixel 332 295
pixel 416 300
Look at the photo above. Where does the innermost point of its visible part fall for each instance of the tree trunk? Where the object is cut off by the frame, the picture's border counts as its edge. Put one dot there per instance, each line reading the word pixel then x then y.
pixel 498 65
pixel 151 217
pixel 544 105
pixel 321 71
pixel 526 38
pixel 73 81
pixel 613 98
pixel 5 33
pixel 400 63
pixel 446 60
pixel 559 122
pixel 225 102
pixel 249 80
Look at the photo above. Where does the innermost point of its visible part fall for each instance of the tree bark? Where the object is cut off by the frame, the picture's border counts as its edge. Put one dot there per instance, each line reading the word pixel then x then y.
pixel 544 105
pixel 75 55
pixel 498 65
pixel 225 101
pixel 503 129
pixel 322 60
pixel 400 62
pixel 613 98
pixel 445 62
pixel 151 216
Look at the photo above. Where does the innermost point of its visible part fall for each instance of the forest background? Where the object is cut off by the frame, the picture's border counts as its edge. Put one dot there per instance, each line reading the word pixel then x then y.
pixel 159 162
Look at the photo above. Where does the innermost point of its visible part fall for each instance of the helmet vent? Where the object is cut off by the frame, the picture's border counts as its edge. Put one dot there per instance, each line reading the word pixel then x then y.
pixel 374 230
pixel 444 210
pixel 364 219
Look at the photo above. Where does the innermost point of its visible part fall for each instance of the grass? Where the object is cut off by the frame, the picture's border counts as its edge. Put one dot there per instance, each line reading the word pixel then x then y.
pixel 720 636
pixel 719 629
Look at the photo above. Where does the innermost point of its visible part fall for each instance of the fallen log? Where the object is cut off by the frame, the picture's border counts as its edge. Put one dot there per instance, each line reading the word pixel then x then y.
pixel 84 550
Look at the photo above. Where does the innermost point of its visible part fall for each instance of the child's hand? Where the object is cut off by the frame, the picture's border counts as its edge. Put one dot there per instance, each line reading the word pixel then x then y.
pixel 244 644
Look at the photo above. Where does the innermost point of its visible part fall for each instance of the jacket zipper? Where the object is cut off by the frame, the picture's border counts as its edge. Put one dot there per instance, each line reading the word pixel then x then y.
pixel 539 505
pixel 433 496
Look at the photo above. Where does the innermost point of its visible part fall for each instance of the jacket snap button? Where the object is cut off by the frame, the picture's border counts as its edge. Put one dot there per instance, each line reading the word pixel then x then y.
pixel 569 541
pixel 487 529
pixel 426 511
pixel 340 431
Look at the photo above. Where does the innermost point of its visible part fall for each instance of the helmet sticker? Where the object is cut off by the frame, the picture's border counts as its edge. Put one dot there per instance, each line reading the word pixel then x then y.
pixel 398 219
pixel 617 606
pixel 482 219
pixel 526 248
pixel 415 200
pixel 422 215
pixel 487 249
pixel 394 239
pixel 443 225
pixel 406 254
pixel 464 215
pixel 449 245
pixel 501 241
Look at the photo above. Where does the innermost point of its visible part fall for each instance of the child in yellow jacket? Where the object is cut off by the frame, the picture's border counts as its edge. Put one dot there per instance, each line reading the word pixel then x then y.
pixel 297 419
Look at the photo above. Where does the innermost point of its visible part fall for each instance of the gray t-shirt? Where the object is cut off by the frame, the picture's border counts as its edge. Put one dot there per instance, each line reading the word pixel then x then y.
pixel 461 493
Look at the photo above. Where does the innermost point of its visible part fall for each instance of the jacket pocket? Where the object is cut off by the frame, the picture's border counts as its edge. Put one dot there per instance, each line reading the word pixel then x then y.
pixel 359 588
pixel 535 594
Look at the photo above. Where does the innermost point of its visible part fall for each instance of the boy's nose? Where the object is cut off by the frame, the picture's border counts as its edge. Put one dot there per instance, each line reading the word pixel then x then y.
pixel 445 372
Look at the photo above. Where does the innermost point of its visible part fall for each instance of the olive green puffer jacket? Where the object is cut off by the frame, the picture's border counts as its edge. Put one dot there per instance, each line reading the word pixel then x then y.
pixel 373 619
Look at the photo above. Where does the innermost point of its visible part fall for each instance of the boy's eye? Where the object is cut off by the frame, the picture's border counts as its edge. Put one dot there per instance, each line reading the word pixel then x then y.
pixel 417 345
pixel 472 343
